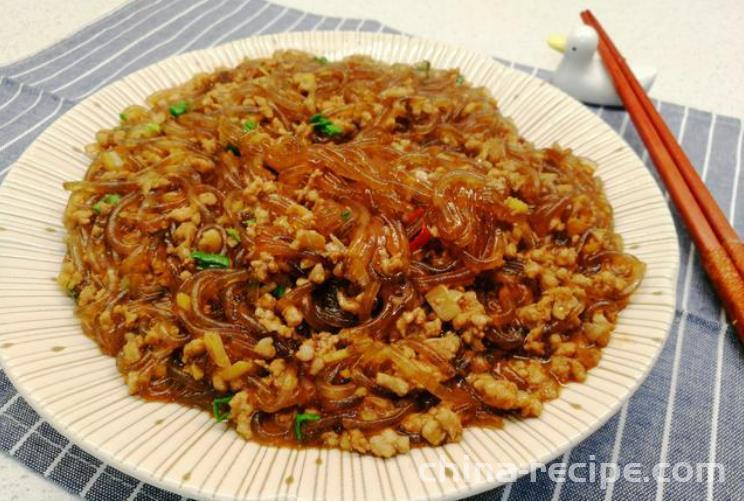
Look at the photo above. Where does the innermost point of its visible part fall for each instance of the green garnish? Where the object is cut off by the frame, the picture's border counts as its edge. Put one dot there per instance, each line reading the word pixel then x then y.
pixel 250 222
pixel 231 232
pixel 300 419
pixel 233 149
pixel 460 80
pixel 249 125
pixel 153 127
pixel 345 215
pixel 279 291
pixel 110 199
pixel 179 108
pixel 123 117
pixel 218 405
pixel 323 125
pixel 321 59
pixel 209 260
pixel 424 66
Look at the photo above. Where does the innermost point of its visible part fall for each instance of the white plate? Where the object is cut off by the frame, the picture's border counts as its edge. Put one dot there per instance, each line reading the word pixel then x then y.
pixel 78 390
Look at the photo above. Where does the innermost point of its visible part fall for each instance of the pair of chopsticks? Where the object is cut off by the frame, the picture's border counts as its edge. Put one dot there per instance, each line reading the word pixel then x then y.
pixel 721 250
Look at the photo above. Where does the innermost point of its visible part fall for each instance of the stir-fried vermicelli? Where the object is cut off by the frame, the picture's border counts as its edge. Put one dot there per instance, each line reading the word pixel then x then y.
pixel 347 254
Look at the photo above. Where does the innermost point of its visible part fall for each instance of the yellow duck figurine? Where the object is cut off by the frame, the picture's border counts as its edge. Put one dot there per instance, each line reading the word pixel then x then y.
pixel 581 72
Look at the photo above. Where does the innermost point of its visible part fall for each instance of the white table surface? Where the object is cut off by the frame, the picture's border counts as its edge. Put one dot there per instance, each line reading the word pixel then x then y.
pixel 696 46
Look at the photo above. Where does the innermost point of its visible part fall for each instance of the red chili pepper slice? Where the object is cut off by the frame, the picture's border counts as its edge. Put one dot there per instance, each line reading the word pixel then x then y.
pixel 413 215
pixel 421 238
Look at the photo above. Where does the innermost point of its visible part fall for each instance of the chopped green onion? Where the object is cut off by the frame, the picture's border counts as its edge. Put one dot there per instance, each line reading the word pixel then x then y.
pixel 123 117
pixel 218 405
pixel 233 149
pixel 300 419
pixel 249 125
pixel 424 66
pixel 332 130
pixel 179 108
pixel 111 199
pixel 345 215
pixel 279 291
pixel 321 59
pixel 323 125
pixel 208 260
pixel 231 232
pixel 460 80
pixel 250 222
pixel 153 127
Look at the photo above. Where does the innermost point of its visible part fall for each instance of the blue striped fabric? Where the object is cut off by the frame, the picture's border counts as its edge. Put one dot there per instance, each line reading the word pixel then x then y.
pixel 682 415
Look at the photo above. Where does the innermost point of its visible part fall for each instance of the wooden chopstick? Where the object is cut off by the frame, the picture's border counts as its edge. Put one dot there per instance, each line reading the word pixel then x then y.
pixel 714 254
pixel 718 221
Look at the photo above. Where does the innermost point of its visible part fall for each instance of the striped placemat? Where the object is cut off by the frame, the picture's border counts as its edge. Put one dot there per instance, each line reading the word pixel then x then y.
pixel 686 415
